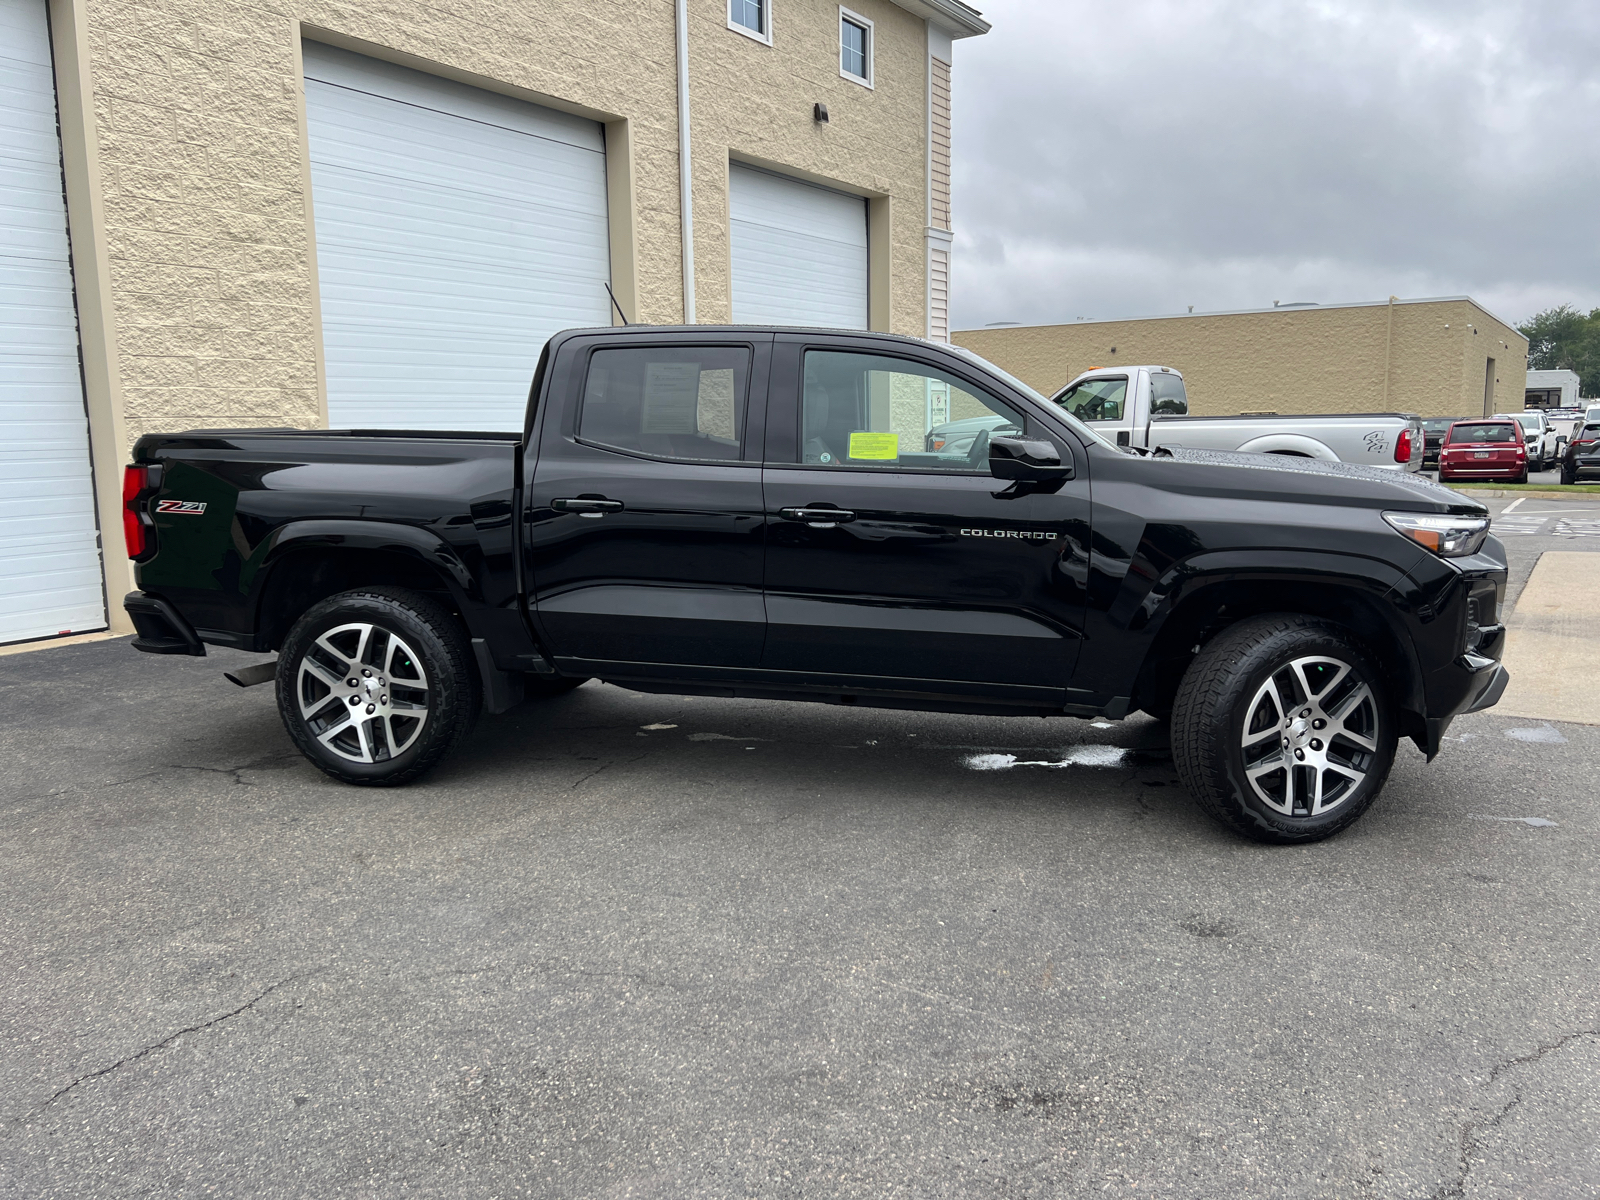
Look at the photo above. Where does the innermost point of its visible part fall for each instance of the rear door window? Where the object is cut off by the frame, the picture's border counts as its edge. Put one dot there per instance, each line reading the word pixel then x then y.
pixel 685 402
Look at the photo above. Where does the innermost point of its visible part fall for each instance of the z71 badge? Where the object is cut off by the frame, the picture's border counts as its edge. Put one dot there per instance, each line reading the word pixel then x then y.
pixel 182 508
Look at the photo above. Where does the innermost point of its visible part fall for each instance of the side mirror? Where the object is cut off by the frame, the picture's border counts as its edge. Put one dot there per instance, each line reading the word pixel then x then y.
pixel 1124 438
pixel 1024 460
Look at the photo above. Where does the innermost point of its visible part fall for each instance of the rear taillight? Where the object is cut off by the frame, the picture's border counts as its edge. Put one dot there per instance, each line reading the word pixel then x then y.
pixel 135 479
pixel 1402 447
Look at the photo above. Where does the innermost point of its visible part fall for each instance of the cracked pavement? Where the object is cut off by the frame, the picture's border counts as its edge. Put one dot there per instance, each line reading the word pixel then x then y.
pixel 627 945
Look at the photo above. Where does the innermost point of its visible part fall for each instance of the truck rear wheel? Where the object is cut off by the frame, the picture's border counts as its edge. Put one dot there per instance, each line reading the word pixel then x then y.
pixel 376 686
pixel 1283 729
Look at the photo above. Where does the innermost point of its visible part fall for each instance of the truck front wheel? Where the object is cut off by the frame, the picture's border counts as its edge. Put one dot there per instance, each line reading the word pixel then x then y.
pixel 376 686
pixel 1283 730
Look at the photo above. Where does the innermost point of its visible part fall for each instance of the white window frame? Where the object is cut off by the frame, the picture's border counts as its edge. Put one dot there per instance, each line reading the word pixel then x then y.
pixel 766 11
pixel 865 23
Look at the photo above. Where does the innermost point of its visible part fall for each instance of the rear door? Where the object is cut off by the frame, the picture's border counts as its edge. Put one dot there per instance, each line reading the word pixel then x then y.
pixel 643 510
pixel 892 566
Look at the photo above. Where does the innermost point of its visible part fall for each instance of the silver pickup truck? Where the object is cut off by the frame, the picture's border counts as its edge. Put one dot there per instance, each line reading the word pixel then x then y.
pixel 1148 407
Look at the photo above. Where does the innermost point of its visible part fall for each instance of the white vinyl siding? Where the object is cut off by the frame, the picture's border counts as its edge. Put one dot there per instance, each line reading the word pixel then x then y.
pixel 939 294
pixel 799 252
pixel 457 230
pixel 50 581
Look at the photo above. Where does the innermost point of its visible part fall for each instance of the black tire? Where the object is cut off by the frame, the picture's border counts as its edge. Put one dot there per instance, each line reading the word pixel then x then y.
pixel 1568 475
pixel 1523 478
pixel 1223 696
pixel 411 639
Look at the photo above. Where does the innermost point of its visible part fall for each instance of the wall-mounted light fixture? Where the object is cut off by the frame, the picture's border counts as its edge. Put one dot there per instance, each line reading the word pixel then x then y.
pixel 819 113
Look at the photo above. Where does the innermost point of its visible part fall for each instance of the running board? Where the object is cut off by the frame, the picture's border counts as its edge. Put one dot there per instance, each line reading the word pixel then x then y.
pixel 250 676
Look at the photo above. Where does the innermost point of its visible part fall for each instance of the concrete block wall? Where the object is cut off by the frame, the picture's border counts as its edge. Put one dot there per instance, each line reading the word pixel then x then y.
pixel 1329 359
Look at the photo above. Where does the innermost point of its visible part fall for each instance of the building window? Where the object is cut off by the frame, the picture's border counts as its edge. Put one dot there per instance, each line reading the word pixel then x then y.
pixel 753 18
pixel 855 47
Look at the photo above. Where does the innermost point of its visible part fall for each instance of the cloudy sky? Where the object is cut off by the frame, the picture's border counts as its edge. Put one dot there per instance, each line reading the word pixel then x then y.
pixel 1138 157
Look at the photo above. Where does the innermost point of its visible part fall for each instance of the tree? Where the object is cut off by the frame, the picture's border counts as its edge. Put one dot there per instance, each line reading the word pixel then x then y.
pixel 1565 339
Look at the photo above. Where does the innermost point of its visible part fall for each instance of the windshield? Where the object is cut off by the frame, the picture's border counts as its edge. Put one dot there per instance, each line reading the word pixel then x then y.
pixel 978 360
pixel 1484 433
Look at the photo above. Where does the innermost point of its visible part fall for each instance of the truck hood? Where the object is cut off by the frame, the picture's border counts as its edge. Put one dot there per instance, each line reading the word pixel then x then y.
pixel 1316 481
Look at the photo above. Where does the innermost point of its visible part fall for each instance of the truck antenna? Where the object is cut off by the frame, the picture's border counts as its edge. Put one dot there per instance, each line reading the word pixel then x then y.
pixel 614 303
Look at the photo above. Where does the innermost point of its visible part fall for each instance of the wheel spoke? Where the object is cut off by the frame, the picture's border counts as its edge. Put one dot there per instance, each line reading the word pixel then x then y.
pixel 1276 763
pixel 1370 745
pixel 326 677
pixel 1348 706
pixel 327 735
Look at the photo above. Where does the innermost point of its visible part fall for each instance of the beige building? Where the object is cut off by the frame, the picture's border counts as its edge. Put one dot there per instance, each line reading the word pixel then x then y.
pixel 1444 357
pixel 374 212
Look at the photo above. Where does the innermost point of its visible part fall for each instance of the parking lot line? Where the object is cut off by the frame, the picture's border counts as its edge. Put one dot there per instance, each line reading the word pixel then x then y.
pixel 1546 644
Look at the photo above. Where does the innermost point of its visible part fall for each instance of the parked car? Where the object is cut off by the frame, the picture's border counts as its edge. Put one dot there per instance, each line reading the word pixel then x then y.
pixel 1486 449
pixel 1148 408
pixel 1582 458
pixel 1544 445
pixel 1433 431
pixel 733 511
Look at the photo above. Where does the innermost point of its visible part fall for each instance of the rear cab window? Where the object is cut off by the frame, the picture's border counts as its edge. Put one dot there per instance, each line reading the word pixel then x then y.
pixel 1168 397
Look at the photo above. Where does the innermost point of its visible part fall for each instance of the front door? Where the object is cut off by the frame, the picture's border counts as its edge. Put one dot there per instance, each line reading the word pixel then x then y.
pixel 895 561
pixel 644 519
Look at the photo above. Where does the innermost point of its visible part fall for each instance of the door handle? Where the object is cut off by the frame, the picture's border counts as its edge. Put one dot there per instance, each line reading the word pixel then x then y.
pixel 587 506
pixel 818 518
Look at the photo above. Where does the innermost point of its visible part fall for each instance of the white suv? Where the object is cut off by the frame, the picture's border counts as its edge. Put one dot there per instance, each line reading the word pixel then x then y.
pixel 1544 444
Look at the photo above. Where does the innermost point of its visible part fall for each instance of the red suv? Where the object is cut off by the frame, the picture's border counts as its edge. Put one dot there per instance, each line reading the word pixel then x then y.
pixel 1484 450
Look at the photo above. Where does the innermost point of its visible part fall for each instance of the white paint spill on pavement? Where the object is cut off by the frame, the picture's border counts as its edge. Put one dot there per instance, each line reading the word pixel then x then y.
pixel 658 725
pixel 1545 733
pixel 1078 756
pixel 722 737
pixel 1536 822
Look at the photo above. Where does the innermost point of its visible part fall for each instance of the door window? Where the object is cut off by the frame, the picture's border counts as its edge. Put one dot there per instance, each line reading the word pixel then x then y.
pixel 876 412
pixel 668 401
pixel 1096 399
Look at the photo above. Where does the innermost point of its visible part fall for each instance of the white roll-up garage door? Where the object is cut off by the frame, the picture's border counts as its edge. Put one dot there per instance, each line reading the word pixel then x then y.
pixel 457 229
pixel 799 252
pixel 49 545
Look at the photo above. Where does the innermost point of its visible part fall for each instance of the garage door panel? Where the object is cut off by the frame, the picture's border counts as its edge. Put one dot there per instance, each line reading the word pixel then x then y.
pixel 49 545
pixel 401 84
pixel 456 231
pixel 799 252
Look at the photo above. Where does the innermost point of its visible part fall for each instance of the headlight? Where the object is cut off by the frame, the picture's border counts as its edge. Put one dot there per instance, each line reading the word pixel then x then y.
pixel 1448 537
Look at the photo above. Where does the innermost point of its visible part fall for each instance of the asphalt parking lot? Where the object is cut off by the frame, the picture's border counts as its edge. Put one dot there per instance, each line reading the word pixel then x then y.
pixel 625 945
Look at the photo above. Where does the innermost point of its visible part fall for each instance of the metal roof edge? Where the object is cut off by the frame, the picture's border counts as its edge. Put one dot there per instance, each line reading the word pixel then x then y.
pixel 952 16
pixel 1237 312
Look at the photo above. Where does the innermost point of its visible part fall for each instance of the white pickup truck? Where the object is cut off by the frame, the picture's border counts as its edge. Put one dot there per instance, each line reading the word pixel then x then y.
pixel 1147 407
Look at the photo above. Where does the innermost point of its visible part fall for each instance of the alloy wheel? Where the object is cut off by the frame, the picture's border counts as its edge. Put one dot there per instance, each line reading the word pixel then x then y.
pixel 362 692
pixel 1310 736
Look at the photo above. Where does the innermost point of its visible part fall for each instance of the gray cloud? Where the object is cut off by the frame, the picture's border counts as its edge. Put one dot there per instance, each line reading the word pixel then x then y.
pixel 1137 158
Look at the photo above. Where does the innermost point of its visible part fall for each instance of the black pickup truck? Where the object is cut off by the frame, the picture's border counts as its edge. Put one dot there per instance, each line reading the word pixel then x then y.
pixel 757 512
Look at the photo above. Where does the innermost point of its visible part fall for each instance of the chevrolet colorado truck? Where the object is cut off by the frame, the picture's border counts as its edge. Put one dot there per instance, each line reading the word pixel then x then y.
pixel 755 512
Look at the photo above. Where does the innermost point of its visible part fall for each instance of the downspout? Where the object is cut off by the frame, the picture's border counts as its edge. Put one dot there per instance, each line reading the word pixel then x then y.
pixel 685 174
pixel 1388 345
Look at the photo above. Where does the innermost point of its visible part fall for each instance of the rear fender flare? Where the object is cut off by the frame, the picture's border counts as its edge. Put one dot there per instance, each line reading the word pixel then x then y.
pixel 426 547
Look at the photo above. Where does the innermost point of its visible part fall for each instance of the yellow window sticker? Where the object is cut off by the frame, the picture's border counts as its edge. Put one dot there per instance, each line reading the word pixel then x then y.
pixel 880 446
